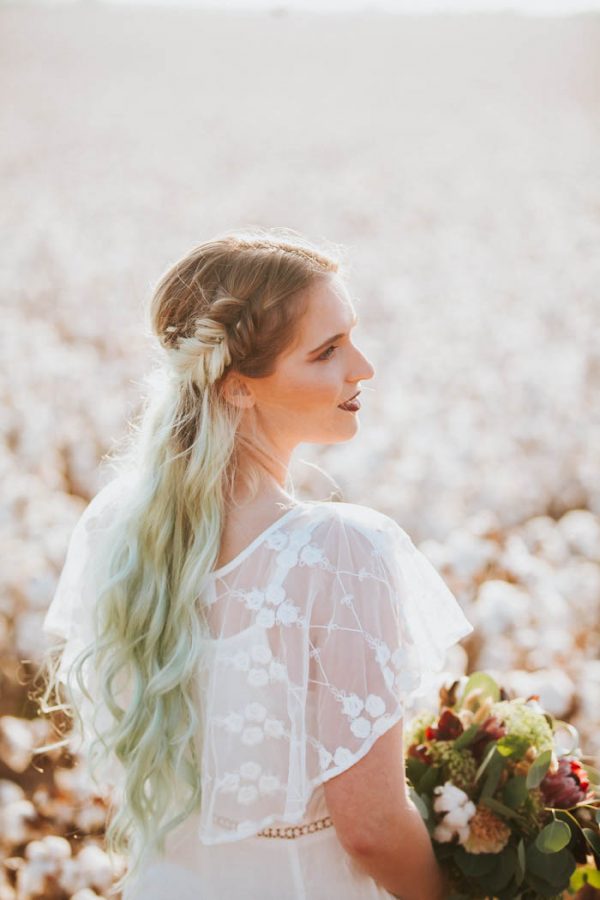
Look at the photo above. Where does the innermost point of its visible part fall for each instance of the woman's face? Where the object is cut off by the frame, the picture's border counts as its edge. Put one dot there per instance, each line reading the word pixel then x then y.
pixel 300 401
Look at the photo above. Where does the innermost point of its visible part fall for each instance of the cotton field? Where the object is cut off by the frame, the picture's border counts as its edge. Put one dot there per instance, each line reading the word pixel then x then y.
pixel 454 162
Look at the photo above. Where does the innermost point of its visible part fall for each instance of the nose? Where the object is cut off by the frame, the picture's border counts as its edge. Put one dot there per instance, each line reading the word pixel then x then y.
pixel 362 368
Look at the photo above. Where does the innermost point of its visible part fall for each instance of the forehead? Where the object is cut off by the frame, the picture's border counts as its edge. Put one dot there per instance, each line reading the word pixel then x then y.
pixel 329 310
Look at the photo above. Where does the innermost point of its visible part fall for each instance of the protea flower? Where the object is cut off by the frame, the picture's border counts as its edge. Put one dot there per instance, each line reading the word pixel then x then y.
pixel 567 786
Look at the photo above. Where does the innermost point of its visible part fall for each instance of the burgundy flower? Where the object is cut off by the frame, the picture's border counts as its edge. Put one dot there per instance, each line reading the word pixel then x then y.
pixel 567 786
pixel 449 727
pixel 420 751
pixel 491 730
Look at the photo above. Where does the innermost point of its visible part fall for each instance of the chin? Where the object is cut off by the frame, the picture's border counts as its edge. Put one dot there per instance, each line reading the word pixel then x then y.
pixel 338 437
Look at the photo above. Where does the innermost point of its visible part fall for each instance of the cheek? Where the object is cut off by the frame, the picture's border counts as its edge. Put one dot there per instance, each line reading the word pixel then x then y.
pixel 304 388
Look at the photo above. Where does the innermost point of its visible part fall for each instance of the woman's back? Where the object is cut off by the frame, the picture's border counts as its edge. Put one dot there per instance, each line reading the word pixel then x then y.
pixel 319 630
pixel 315 635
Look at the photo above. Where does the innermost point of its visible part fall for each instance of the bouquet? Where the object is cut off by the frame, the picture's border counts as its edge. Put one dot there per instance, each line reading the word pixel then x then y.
pixel 511 809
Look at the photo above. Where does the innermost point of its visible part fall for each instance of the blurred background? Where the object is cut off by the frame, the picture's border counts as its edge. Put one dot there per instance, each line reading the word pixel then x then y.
pixel 452 149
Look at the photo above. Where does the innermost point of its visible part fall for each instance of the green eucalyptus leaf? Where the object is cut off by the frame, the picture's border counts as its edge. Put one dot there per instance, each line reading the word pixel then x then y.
pixel 415 769
pixel 593 839
pixel 500 808
pixel 555 869
pixel 494 771
pixel 553 837
pixel 473 865
pixel 514 791
pixel 521 863
pixel 538 769
pixel 486 760
pixel 483 682
pixel 419 803
pixel 466 738
pixel 429 780
pixel 504 869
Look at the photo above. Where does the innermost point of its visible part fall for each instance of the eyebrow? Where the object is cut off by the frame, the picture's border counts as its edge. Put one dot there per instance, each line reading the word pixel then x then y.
pixel 332 340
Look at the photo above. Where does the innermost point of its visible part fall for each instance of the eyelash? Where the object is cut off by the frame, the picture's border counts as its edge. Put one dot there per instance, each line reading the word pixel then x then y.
pixel 322 356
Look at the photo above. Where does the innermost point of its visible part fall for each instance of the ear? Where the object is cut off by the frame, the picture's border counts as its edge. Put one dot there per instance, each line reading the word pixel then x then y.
pixel 236 391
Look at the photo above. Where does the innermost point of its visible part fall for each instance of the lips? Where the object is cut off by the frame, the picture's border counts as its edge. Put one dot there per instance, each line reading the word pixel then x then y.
pixel 351 404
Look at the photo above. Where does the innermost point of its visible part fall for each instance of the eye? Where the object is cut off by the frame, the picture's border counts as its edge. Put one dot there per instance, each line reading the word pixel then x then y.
pixel 326 354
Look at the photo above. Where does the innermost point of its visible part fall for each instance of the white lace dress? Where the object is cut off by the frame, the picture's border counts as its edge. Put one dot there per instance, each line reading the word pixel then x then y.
pixel 319 633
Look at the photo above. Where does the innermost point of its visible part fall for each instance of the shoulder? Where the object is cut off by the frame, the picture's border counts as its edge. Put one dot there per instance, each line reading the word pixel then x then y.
pixel 353 524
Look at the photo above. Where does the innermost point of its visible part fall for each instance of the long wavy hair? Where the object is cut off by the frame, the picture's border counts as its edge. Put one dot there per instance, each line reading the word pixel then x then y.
pixel 232 303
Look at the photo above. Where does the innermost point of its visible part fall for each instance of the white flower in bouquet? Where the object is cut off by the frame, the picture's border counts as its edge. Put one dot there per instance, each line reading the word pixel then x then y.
pixel 458 810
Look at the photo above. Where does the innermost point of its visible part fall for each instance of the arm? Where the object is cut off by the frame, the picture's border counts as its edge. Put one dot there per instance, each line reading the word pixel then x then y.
pixel 379 826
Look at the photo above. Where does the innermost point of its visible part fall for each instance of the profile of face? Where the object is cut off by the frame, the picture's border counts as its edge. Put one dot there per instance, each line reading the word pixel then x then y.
pixel 300 402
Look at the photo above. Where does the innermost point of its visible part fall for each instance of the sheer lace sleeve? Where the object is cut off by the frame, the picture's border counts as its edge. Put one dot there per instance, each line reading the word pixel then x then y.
pixel 379 630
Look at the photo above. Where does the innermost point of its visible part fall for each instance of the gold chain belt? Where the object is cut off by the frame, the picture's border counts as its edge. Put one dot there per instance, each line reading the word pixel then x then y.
pixel 294 831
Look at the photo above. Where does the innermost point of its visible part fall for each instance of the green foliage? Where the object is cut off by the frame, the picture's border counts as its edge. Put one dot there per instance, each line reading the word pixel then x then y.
pixel 514 791
pixel 538 769
pixel 584 875
pixel 480 681
pixel 553 837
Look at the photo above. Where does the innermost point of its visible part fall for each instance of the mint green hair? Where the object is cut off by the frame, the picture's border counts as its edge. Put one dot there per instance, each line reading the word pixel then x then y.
pixel 232 304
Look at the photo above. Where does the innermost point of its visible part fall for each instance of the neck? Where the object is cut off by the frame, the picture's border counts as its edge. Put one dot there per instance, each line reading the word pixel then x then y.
pixel 272 475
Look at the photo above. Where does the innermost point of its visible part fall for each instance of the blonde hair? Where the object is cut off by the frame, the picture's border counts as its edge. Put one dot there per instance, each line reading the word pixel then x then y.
pixel 231 304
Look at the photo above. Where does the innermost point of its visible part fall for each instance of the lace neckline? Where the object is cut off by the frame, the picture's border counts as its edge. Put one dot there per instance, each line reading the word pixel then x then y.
pixel 239 557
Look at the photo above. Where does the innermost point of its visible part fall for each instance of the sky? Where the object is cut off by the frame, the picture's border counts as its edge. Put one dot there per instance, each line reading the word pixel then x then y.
pixel 425 7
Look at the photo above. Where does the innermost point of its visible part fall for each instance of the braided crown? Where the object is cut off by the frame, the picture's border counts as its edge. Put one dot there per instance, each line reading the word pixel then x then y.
pixel 202 355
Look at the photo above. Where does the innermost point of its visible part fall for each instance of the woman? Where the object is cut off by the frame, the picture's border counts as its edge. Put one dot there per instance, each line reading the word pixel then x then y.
pixel 247 655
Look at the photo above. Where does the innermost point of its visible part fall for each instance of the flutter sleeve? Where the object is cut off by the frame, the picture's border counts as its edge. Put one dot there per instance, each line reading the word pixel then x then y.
pixel 380 629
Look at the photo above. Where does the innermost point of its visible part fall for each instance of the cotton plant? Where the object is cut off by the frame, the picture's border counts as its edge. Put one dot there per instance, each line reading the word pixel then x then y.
pixel 457 811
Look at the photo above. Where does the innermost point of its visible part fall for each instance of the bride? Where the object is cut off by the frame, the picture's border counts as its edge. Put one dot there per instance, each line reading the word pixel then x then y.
pixel 239 659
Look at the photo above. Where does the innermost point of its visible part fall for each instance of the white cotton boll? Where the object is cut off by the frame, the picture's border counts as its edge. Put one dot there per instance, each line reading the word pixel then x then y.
pixel 554 687
pixel 55 847
pixel 579 582
pixel 448 796
pixel 30 640
pixel 77 782
pixel 581 530
pixel 469 554
pixel 16 743
pixel 31 880
pixel 553 642
pixel 10 792
pixel 459 816
pixel 72 877
pixel 96 864
pixel 90 817
pixel 499 653
pixel 500 606
pixel 550 606
pixel 442 834
pixel 483 522
pixel 527 638
pixel 544 539
pixel 14 819
pixel 85 894
pixel 516 558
